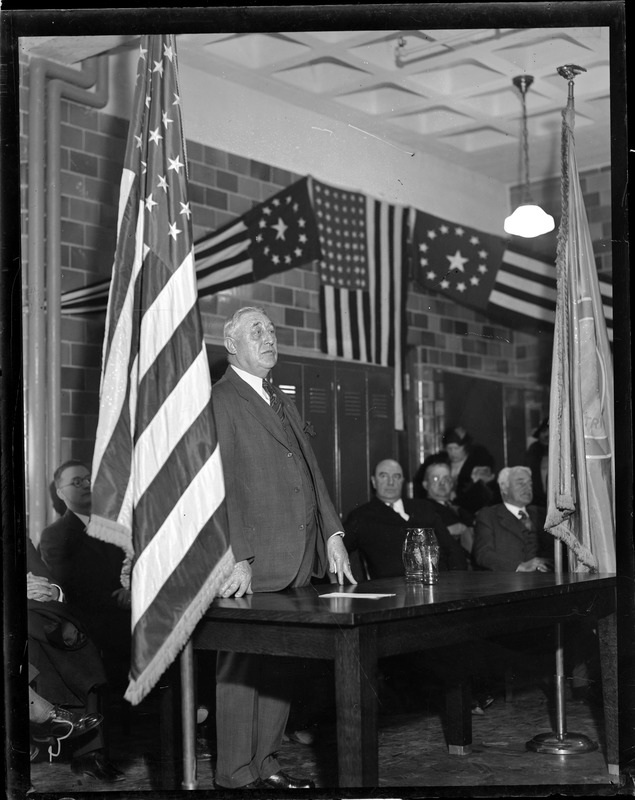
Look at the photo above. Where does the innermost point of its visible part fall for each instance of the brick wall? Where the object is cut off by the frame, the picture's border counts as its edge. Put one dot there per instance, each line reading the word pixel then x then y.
pixel 223 186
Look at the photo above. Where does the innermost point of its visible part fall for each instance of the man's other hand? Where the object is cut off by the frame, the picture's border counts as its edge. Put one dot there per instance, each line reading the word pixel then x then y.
pixel 40 589
pixel 239 582
pixel 339 563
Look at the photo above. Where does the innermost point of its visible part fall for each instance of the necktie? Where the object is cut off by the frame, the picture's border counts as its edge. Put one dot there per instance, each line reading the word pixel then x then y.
pixel 276 405
pixel 524 518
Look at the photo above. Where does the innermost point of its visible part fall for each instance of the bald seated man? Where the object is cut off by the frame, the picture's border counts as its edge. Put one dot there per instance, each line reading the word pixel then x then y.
pixel 378 528
pixel 510 536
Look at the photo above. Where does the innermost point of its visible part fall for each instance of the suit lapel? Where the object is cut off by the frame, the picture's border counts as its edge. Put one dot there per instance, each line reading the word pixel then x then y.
pixel 256 406
pixel 510 522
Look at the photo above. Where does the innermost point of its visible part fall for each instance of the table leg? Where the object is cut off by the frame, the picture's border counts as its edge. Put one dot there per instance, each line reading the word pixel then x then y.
pixel 607 636
pixel 458 710
pixel 356 702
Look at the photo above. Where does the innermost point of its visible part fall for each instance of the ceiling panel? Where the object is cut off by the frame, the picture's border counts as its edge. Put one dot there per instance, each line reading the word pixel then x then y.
pixel 448 93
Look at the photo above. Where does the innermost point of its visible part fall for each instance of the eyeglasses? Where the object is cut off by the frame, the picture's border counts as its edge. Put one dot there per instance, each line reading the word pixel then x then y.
pixel 440 479
pixel 78 482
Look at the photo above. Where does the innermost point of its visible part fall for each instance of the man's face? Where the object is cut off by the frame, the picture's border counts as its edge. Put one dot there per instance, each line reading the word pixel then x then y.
pixel 518 490
pixel 254 346
pixel 388 481
pixel 77 497
pixel 438 482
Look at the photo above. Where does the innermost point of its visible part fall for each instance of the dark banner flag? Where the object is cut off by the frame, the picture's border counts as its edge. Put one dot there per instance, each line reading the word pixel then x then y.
pixel 158 489
pixel 455 260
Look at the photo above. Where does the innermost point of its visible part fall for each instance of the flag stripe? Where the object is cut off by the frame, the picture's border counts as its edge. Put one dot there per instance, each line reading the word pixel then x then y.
pixel 171 541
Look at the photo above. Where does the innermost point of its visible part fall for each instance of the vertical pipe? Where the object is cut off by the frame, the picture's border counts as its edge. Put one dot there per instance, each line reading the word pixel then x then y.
pixel 35 307
pixel 188 716
pixel 94 73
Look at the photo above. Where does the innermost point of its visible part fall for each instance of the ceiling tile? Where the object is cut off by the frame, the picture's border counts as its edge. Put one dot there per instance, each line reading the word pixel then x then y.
pixel 461 77
pixel 256 50
pixel 477 139
pixel 320 75
pixel 380 99
pixel 548 50
pixel 432 120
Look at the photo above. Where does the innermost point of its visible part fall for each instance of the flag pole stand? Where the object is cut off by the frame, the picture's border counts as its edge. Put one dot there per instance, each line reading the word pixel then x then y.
pixel 188 718
pixel 560 742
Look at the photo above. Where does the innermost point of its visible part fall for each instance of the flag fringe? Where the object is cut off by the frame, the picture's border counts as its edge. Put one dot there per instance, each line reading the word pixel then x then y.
pixel 138 688
pixel 584 556
pixel 111 531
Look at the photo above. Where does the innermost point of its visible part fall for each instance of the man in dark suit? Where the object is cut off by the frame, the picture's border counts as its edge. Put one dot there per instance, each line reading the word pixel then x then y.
pixel 435 478
pixel 378 528
pixel 283 531
pixel 89 569
pixel 510 536
pixel 67 669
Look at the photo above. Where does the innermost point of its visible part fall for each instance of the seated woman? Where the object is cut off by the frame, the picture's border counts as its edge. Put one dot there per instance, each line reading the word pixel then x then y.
pixel 472 470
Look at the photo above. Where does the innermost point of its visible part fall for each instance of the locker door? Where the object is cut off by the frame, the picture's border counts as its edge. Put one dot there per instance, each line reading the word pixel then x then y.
pixel 352 427
pixel 319 411
pixel 382 439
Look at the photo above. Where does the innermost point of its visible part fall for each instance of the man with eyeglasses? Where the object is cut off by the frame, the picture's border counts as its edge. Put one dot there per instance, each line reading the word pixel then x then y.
pixel 435 478
pixel 89 569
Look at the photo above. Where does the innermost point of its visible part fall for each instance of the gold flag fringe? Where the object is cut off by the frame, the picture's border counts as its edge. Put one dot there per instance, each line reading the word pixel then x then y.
pixel 138 688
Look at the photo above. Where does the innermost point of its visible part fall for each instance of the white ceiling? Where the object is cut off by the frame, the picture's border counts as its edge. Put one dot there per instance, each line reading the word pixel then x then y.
pixel 448 93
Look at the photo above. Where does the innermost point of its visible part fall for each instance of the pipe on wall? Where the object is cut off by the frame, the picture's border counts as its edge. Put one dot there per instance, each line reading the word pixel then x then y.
pixel 43 409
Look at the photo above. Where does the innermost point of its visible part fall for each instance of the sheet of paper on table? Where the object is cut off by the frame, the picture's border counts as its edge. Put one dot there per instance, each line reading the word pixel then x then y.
pixel 358 595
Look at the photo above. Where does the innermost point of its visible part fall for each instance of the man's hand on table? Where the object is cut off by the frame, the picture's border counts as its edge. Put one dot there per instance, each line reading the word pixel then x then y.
pixel 239 582
pixel 338 559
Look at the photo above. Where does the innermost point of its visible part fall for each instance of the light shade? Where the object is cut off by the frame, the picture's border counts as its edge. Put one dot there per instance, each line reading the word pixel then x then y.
pixel 528 221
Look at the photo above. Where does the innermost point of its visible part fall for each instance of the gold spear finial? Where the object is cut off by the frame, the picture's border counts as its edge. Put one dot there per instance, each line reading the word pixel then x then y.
pixel 569 71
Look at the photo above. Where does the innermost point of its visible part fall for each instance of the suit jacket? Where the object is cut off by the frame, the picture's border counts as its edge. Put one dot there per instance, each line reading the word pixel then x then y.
pixel 501 542
pixel 265 506
pixel 67 661
pixel 378 531
pixel 89 571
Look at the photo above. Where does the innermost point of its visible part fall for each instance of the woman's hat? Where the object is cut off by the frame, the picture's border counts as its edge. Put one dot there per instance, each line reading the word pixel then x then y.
pixel 456 436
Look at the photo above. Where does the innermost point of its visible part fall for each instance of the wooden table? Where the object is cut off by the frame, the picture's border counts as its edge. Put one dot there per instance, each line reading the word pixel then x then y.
pixel 355 633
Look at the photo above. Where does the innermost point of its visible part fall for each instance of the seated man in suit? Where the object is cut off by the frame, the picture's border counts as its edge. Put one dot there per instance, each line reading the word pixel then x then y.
pixel 65 668
pixel 89 570
pixel 435 478
pixel 510 536
pixel 378 528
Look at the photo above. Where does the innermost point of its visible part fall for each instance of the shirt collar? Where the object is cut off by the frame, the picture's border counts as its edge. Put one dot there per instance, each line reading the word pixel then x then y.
pixel 515 509
pixel 253 380
pixel 83 517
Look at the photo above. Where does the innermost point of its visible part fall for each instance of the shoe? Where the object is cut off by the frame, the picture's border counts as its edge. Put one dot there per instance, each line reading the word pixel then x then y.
pixel 203 750
pixel 34 752
pixel 477 710
pixel 257 784
pixel 303 736
pixel 96 765
pixel 65 724
pixel 486 701
pixel 280 780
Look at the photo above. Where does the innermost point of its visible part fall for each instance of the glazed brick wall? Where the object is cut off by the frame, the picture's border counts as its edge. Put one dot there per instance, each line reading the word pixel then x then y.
pixel 222 187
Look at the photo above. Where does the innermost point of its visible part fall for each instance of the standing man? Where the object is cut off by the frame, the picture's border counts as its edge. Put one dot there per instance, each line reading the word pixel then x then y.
pixel 378 528
pixel 283 530
pixel 510 536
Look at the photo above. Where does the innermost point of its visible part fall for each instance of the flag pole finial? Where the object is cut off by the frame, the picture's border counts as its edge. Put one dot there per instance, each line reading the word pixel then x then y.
pixel 569 73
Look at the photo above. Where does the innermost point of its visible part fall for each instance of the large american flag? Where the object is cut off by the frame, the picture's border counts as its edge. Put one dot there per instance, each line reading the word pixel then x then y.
pixel 363 272
pixel 158 489
pixel 487 273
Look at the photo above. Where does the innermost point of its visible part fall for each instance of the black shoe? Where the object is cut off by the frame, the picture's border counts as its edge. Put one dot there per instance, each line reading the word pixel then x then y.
pixel 257 784
pixel 280 780
pixel 65 724
pixel 96 765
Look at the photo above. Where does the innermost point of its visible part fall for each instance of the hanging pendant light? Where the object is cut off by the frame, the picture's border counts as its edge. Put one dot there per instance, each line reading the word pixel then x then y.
pixel 528 220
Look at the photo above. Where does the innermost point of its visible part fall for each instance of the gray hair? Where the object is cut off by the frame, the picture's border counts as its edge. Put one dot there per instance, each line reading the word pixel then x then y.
pixel 234 321
pixel 505 475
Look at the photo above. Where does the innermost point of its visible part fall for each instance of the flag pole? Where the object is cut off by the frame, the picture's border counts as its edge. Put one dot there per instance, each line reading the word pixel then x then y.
pixel 560 741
